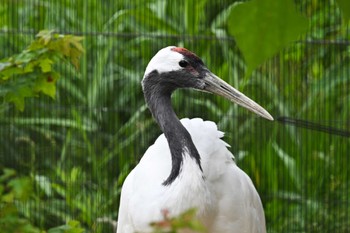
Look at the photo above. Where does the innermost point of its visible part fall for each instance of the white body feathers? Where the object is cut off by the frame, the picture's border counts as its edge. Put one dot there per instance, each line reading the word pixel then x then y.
pixel 225 197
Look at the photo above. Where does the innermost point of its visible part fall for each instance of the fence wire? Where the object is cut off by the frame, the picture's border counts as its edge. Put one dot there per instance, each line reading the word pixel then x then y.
pixel 75 151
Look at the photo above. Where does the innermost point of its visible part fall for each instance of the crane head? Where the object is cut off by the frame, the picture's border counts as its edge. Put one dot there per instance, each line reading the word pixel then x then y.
pixel 177 67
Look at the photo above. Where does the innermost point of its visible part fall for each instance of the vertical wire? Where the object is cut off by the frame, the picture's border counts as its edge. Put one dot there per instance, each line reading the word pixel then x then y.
pixel 191 41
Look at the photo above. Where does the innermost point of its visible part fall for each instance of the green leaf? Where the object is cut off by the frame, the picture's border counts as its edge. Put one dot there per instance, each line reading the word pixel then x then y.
pixel 187 220
pixel 4 65
pixel 45 65
pixel 24 57
pixel 44 183
pixel 290 165
pixel 7 173
pixel 9 197
pixel 148 18
pixel 29 67
pixel 193 11
pixel 263 27
pixel 45 36
pixel 72 227
pixel 17 97
pixel 344 6
pixel 76 42
pixel 86 125
pixel 21 187
pixel 46 85
pixel 11 71
pixel 32 72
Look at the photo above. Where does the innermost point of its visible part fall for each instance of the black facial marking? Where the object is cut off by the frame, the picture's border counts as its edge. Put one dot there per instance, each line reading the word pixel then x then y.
pixel 183 63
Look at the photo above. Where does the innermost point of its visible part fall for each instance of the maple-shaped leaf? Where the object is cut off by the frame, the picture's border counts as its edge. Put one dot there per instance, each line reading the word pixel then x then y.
pixel 45 36
pixel 261 28
pixel 17 97
pixel 32 71
pixel 45 65
pixel 76 42
pixel 46 85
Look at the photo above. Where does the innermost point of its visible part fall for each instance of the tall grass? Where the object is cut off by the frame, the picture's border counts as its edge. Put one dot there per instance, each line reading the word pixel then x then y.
pixel 79 148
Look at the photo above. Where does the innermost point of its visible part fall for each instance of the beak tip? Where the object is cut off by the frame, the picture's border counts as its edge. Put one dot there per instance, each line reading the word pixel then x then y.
pixel 266 115
pixel 271 118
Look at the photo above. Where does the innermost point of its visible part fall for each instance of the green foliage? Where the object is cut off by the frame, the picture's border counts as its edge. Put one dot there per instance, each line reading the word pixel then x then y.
pixel 31 72
pixel 185 221
pixel 78 149
pixel 262 28
pixel 16 192
pixel 70 227
pixel 14 189
pixel 345 8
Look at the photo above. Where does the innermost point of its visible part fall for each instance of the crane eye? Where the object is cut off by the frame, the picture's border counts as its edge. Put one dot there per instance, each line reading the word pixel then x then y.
pixel 183 63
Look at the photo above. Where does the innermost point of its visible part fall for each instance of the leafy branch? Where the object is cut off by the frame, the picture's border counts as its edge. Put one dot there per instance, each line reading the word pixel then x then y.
pixel 16 189
pixel 32 71
pixel 185 221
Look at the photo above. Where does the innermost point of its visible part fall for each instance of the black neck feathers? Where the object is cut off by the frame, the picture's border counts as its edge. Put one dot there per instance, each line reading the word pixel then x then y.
pixel 157 94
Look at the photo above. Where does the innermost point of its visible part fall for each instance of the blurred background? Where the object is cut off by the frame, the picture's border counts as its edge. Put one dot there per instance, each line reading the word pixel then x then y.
pixel 66 159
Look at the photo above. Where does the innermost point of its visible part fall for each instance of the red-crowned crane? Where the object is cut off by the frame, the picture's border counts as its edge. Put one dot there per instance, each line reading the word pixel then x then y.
pixel 189 166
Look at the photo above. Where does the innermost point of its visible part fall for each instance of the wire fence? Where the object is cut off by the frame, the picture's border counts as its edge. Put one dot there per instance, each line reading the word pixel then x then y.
pixel 76 150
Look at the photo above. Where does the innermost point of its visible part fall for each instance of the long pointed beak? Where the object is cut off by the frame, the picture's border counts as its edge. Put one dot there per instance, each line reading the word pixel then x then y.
pixel 215 85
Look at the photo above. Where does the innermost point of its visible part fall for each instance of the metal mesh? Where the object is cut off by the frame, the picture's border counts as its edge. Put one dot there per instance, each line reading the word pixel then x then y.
pixel 77 149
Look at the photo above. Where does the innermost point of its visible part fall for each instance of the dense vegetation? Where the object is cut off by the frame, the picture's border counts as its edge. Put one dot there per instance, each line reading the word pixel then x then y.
pixel 66 159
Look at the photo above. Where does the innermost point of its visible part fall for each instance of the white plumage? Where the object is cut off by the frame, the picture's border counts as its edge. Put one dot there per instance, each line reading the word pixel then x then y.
pixel 202 172
pixel 226 199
